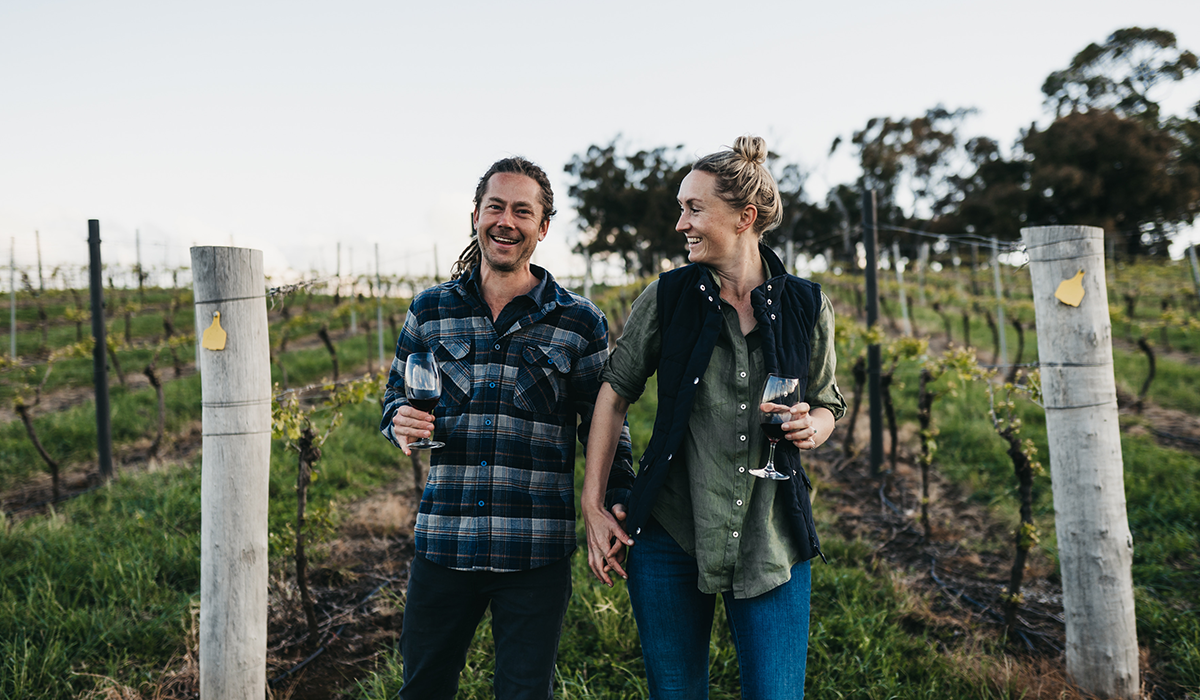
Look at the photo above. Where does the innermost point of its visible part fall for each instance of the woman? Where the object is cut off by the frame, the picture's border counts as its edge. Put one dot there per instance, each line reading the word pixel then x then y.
pixel 696 522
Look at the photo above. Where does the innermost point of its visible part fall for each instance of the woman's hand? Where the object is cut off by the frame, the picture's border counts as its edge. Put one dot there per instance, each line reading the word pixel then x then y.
pixel 808 428
pixel 606 541
pixel 410 425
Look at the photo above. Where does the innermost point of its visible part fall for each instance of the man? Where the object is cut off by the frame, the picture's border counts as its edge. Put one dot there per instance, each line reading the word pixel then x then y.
pixel 520 358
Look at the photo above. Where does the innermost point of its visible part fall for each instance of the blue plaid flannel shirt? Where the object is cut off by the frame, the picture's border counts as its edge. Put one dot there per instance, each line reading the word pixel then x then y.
pixel 500 495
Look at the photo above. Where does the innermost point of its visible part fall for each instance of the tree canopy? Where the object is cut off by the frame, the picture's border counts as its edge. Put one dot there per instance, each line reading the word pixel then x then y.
pixel 626 204
pixel 1119 74
pixel 1108 157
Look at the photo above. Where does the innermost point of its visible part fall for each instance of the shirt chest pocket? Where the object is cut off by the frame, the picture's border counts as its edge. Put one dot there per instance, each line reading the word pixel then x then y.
pixel 542 380
pixel 454 361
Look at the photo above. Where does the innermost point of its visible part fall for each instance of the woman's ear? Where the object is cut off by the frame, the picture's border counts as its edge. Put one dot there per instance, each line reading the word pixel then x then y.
pixel 747 218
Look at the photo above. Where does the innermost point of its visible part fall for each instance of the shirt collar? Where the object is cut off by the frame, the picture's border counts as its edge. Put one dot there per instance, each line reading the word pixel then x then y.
pixel 538 294
pixel 717 278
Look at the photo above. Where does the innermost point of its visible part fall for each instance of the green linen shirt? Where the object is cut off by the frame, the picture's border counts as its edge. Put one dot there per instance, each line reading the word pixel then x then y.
pixel 730 520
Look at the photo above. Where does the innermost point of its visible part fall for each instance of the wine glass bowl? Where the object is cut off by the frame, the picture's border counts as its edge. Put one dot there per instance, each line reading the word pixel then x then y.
pixel 423 389
pixel 778 396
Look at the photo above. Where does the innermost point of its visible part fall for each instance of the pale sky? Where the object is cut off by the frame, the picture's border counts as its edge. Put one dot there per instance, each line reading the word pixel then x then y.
pixel 291 126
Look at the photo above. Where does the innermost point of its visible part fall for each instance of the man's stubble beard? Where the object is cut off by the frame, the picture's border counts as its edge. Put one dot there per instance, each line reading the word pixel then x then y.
pixel 498 266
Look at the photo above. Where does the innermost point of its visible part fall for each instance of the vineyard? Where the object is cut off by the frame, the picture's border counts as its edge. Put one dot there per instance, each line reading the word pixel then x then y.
pixel 942 578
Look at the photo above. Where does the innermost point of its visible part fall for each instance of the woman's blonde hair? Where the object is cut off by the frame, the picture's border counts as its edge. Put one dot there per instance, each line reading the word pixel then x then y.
pixel 742 179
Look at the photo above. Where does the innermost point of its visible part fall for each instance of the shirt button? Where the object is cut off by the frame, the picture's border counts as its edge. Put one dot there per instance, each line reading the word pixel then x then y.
pixel 741 469
pixel 483 463
pixel 743 407
pixel 487 421
pixel 497 346
pixel 735 534
pixel 696 380
pixel 710 298
pixel 742 438
pixel 768 302
pixel 702 288
pixel 742 375
pixel 491 385
pixel 772 317
pixel 481 503
pixel 768 287
pixel 739 501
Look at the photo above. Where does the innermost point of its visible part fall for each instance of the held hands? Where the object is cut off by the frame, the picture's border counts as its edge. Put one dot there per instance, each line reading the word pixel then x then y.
pixel 800 429
pixel 606 541
pixel 410 425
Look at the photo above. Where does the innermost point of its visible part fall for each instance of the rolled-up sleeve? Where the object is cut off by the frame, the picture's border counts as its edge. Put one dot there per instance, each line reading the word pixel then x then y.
pixel 635 357
pixel 822 382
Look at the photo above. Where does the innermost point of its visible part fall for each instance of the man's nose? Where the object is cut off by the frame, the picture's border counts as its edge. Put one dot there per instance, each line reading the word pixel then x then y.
pixel 506 218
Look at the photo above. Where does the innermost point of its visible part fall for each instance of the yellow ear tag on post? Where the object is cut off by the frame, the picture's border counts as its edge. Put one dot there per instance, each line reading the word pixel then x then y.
pixel 214 335
pixel 1070 292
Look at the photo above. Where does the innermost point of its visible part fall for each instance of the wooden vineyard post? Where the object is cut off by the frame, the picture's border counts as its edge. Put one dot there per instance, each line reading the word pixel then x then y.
pixel 1079 390
pixel 236 397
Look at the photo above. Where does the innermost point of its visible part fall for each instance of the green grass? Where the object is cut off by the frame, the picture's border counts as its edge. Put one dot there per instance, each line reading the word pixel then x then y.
pixel 106 585
pixel 70 435
pixel 1176 384
pixel 103 587
pixel 858 644
pixel 110 580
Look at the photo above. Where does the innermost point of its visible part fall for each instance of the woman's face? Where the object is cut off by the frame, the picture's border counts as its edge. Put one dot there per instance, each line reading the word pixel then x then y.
pixel 709 223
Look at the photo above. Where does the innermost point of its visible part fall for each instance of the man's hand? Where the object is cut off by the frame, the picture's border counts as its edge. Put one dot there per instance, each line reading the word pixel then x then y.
pixel 410 425
pixel 606 541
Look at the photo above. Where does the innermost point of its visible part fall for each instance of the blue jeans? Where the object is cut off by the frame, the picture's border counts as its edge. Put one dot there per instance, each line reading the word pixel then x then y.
pixel 674 620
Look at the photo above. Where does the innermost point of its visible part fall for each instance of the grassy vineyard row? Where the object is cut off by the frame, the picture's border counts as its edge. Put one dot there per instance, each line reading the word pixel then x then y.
pixel 102 591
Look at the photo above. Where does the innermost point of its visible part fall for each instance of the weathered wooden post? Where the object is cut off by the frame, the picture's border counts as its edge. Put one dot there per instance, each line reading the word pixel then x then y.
pixel 236 396
pixel 1094 544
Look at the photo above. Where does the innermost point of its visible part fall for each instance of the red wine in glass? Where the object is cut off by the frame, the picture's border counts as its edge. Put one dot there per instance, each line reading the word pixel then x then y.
pixel 774 429
pixel 779 394
pixel 424 403
pixel 423 389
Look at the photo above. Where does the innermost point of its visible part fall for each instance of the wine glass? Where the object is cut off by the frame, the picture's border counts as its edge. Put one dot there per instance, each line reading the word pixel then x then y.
pixel 780 393
pixel 423 388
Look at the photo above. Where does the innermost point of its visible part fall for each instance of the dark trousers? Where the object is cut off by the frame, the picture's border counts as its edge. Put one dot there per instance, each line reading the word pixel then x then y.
pixel 445 606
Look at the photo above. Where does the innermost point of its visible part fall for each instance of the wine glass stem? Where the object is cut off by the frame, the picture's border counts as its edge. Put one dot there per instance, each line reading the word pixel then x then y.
pixel 771 456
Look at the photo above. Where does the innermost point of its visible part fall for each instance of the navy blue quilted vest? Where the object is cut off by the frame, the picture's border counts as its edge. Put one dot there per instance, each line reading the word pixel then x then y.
pixel 689 309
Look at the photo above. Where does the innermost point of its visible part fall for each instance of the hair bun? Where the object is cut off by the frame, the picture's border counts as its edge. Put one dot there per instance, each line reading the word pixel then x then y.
pixel 752 148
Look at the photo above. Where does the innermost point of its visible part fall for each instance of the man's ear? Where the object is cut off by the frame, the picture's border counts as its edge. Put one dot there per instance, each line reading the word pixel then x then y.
pixel 543 230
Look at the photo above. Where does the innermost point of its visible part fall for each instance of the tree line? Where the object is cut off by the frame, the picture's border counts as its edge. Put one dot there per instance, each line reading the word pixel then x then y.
pixel 1108 157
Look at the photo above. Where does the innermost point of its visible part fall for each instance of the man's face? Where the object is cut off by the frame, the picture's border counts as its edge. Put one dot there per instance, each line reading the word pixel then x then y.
pixel 509 221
